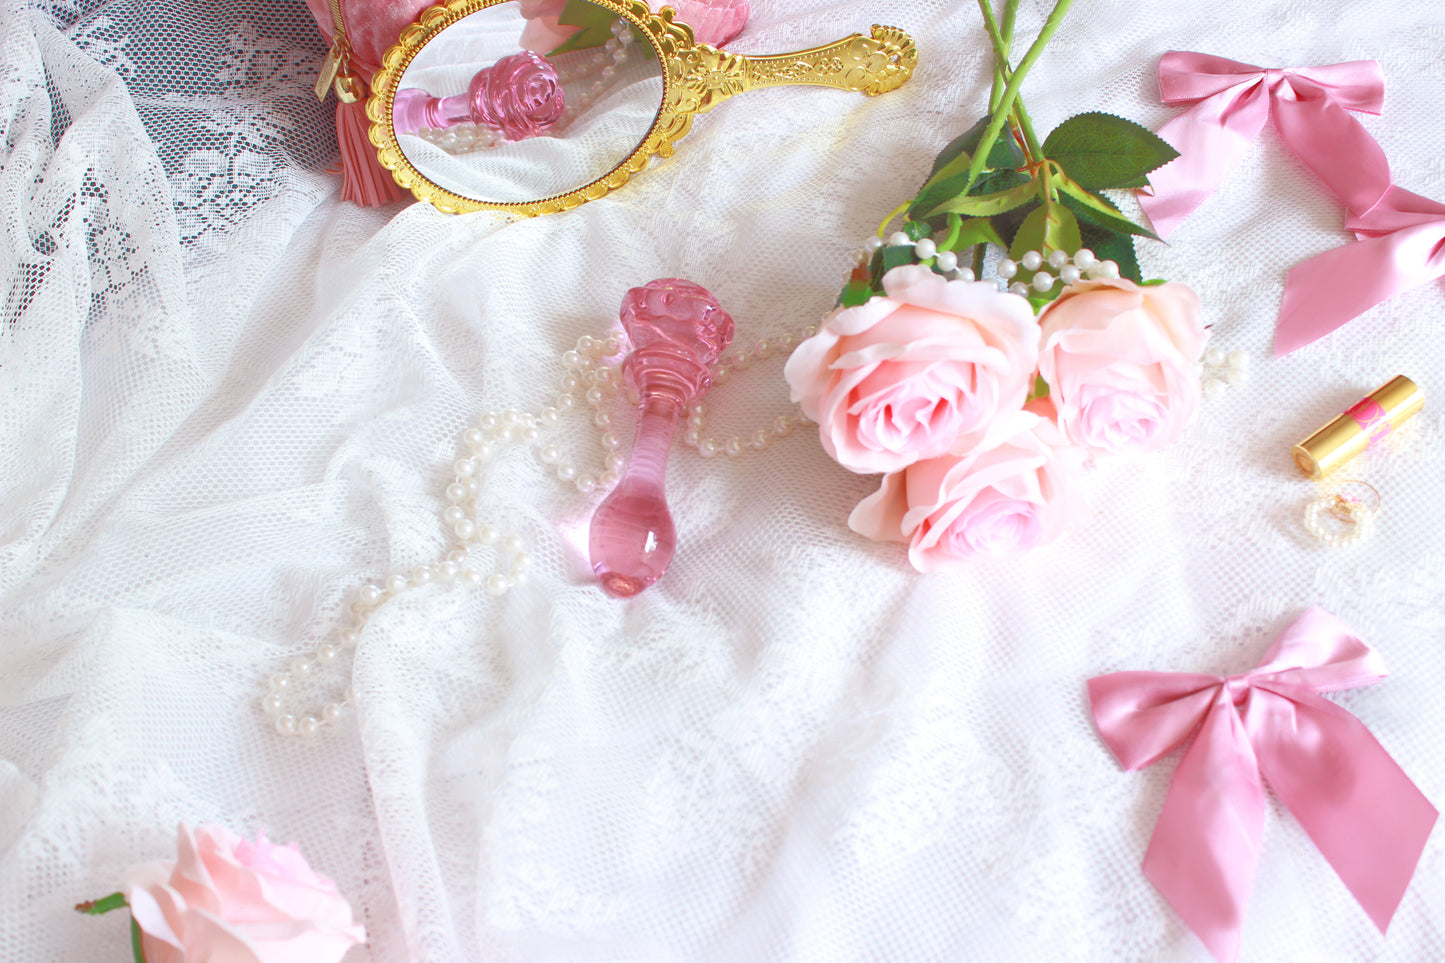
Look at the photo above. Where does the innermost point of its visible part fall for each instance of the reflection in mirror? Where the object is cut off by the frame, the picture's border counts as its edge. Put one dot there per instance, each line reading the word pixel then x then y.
pixel 482 116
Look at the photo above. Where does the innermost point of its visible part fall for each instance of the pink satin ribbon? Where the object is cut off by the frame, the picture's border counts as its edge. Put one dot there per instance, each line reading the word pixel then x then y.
pixel 1362 812
pixel 1232 101
pixel 1401 244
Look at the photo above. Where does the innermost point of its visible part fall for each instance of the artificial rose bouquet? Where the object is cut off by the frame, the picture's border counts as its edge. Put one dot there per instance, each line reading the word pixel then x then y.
pixel 225 898
pixel 980 402
pixel 980 414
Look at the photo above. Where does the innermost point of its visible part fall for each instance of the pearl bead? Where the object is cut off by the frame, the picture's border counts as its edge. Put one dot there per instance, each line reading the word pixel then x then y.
pixel 899 239
pixel 586 484
pixel 925 249
pixel 566 472
pixel 488 421
pixel 1107 269
pixel 1032 260
pixel 1019 287
pixel 1006 269
pixel 446 571
pixel 486 534
pixel 945 261
pixel 1237 359
pixel 454 514
pixel 872 244
pixel 465 529
pixel 1042 281
pixel 1214 356
pixel 610 441
pixel 470 577
pixel 465 467
pixel 550 415
pixel 422 575
pixel 964 274
pixel 286 724
pixel 496 585
pixel 570 359
pixel 708 448
pixel 548 454
pixel 456 492
pixel 327 652
pixel 301 668
pixel 370 593
pixel 733 446
pixel 1084 258
pixel 473 437
pixel 271 705
pixel 1058 259
pixel 280 682
pixel 308 726
pixel 396 583
pixel 608 479
pixel 331 713
pixel 1070 274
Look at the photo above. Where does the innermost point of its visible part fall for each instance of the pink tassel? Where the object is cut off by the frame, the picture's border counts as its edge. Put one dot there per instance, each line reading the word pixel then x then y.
pixel 363 179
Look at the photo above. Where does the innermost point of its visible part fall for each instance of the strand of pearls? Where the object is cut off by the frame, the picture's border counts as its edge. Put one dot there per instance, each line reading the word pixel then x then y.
pixel 462 138
pixel 759 439
pixel 1219 370
pixel 592 379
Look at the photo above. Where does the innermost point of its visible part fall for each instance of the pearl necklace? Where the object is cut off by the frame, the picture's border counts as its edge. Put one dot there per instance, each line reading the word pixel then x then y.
pixel 468 137
pixel 593 379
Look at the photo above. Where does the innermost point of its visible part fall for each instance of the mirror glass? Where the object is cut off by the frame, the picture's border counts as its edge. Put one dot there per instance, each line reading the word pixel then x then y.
pixel 506 106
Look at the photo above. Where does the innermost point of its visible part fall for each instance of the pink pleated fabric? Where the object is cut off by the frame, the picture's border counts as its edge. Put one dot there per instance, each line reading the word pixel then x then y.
pixel 1401 244
pixel 1363 813
pixel 1231 102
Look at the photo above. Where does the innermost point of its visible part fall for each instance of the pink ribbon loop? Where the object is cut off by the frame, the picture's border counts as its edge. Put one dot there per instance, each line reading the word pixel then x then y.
pixel 1401 244
pixel 1231 102
pixel 1363 813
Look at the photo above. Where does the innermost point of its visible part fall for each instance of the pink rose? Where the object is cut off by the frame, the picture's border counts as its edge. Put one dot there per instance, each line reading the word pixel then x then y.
pixel 1120 361
pixel 1016 491
pixel 921 371
pixel 518 95
pixel 228 900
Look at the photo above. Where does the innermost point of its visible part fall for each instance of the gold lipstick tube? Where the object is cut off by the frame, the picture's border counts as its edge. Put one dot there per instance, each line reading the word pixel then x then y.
pixel 1364 425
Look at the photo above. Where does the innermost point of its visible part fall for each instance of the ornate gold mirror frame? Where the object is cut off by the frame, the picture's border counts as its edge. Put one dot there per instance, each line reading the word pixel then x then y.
pixel 696 78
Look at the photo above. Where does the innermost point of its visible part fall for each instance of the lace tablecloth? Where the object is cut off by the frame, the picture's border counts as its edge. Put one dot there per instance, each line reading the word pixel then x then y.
pixel 230 399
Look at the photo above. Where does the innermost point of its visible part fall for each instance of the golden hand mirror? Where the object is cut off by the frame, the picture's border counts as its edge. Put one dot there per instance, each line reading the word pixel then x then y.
pixel 469 114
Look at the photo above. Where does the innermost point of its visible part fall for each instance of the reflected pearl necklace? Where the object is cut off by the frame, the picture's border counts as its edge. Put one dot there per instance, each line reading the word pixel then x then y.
pixel 592 380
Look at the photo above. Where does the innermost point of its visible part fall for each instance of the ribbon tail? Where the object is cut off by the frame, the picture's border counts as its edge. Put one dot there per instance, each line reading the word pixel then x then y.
pixel 1211 136
pixel 1205 847
pixel 1334 145
pixel 1363 813
pixel 1334 287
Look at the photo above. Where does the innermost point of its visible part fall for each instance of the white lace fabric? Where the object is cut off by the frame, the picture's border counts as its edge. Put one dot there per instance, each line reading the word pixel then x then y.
pixel 230 399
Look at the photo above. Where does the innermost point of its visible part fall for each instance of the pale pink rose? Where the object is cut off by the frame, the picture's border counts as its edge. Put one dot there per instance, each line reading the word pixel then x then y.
pixel 228 900
pixel 1120 362
pixel 923 370
pixel 1015 492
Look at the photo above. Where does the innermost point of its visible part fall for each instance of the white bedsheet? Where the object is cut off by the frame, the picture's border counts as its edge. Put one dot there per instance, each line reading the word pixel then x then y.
pixel 228 399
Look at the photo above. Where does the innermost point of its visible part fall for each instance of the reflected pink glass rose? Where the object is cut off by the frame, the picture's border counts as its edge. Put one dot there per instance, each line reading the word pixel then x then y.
pixel 1120 361
pixel 227 898
pixel 518 95
pixel 1016 491
pixel 921 371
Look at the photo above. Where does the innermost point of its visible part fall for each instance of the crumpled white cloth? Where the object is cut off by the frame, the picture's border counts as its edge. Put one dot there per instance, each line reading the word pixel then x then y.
pixel 228 399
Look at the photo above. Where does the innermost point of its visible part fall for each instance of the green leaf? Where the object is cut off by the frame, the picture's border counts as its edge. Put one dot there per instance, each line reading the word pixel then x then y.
pixel 596 23
pixel 958 154
pixel 988 204
pixel 855 293
pixel 893 256
pixel 976 230
pixel 1096 209
pixel 1112 246
pixel 135 943
pixel 95 907
pixel 1101 151
pixel 1051 227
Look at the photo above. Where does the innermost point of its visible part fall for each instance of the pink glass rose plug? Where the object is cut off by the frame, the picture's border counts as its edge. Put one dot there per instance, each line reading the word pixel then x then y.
pixel 225 899
pixel 518 96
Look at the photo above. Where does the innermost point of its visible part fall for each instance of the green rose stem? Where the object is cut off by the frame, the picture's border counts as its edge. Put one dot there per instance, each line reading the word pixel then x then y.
pixel 1005 107
pixel 94 907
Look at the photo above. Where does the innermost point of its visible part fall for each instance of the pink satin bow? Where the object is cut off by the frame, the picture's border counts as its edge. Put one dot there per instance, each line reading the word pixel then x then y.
pixel 1364 814
pixel 1232 101
pixel 1401 244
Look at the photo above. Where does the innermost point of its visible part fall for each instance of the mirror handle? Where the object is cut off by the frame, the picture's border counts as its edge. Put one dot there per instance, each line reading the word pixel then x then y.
pixel 870 65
